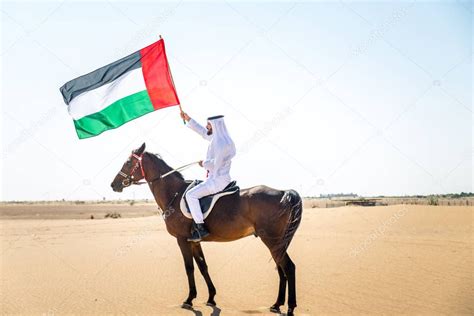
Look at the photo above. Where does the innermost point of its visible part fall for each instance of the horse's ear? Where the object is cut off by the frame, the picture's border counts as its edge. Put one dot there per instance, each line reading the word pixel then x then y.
pixel 140 150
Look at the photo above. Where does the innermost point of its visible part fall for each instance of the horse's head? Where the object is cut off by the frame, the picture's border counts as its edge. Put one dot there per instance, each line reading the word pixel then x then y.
pixel 131 172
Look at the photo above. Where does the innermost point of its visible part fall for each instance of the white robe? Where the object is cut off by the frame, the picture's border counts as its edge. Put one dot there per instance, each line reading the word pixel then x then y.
pixel 220 152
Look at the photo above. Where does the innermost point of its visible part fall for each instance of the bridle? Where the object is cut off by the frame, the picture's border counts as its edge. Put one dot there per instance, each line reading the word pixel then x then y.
pixel 128 178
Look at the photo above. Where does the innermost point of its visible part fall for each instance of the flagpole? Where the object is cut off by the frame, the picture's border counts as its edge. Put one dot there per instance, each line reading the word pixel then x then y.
pixel 181 109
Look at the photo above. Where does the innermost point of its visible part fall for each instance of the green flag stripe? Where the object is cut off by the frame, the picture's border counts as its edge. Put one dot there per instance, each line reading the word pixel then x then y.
pixel 115 115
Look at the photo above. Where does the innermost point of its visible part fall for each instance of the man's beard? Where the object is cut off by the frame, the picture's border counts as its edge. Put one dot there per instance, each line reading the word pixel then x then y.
pixel 209 132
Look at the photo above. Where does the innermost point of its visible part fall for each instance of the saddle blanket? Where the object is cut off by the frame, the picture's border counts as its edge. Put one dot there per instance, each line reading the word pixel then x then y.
pixel 207 202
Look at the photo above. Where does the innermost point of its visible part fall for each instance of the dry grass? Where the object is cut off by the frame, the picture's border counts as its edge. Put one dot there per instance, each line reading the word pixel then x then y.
pixel 140 208
pixel 66 210
pixel 329 203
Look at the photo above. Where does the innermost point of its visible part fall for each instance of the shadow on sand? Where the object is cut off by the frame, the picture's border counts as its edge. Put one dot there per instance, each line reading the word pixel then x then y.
pixel 216 311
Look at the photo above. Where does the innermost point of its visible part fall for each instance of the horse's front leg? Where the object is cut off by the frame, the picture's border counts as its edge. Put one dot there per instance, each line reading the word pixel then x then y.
pixel 187 252
pixel 201 262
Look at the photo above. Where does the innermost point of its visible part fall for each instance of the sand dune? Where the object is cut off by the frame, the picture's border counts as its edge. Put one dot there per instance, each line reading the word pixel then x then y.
pixel 350 260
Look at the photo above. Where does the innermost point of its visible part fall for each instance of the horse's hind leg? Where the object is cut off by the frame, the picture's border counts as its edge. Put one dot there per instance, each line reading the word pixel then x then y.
pixel 289 269
pixel 281 291
pixel 201 262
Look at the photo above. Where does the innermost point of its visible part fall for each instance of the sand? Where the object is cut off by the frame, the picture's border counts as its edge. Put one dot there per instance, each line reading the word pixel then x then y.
pixel 350 260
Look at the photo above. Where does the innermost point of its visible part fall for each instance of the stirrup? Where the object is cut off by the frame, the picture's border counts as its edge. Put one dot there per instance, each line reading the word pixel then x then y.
pixel 196 237
pixel 198 234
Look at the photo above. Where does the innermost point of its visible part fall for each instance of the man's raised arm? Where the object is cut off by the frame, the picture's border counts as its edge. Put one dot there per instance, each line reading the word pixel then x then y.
pixel 195 126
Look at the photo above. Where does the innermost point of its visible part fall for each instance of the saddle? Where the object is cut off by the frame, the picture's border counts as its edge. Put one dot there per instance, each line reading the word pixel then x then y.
pixel 206 202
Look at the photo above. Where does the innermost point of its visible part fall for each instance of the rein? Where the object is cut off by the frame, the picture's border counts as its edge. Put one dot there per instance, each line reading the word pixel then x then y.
pixel 128 178
pixel 179 169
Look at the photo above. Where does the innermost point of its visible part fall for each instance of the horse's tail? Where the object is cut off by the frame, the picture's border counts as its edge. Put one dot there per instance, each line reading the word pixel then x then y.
pixel 290 202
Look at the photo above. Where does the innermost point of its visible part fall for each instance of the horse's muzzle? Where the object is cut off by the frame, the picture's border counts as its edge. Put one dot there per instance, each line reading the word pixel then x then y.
pixel 116 187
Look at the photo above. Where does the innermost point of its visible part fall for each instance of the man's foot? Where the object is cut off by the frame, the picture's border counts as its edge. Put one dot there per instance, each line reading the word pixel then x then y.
pixel 199 233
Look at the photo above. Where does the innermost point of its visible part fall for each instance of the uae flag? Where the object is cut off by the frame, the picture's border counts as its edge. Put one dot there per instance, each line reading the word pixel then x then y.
pixel 121 91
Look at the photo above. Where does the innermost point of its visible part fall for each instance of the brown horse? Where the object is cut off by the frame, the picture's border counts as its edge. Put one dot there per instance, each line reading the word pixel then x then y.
pixel 270 214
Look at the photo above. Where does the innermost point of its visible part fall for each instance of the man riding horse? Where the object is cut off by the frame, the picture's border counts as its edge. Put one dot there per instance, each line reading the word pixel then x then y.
pixel 220 152
pixel 271 214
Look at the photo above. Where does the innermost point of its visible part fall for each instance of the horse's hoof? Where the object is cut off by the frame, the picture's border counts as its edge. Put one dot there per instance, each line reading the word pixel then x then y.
pixel 275 309
pixel 211 303
pixel 290 312
pixel 187 305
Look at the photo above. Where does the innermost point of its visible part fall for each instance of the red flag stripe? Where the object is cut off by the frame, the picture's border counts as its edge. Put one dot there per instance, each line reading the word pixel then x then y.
pixel 157 74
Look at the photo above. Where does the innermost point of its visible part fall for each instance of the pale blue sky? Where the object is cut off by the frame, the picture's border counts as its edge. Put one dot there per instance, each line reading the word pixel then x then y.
pixel 324 97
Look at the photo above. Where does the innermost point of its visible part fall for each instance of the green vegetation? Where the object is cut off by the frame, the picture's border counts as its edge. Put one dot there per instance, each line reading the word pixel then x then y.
pixel 433 200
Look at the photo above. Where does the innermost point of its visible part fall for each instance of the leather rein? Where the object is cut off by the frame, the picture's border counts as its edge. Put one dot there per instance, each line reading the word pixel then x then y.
pixel 129 178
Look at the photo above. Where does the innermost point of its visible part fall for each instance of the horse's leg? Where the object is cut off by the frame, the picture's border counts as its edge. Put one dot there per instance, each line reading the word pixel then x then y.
pixel 201 262
pixel 281 291
pixel 187 252
pixel 289 269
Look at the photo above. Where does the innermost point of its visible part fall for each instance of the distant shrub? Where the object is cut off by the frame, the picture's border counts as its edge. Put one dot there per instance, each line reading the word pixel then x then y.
pixel 433 200
pixel 113 215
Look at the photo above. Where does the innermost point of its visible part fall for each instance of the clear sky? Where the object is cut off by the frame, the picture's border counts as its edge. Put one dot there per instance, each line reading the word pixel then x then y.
pixel 323 97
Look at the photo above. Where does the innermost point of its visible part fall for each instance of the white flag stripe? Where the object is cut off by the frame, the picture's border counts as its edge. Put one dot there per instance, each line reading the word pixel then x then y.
pixel 96 100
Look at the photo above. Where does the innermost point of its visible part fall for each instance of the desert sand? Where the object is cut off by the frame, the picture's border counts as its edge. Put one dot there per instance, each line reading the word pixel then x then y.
pixel 399 259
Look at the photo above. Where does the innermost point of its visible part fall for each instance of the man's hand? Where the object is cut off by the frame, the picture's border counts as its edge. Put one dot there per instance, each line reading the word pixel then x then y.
pixel 200 163
pixel 185 117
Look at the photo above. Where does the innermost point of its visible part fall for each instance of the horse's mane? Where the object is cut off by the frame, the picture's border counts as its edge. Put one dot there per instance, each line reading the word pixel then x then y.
pixel 164 167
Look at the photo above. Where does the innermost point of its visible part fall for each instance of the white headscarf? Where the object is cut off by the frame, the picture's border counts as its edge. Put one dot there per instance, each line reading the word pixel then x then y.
pixel 221 138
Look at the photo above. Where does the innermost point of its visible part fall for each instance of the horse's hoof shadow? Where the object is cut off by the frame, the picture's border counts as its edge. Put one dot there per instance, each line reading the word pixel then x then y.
pixel 187 306
pixel 275 309
pixel 216 311
pixel 190 308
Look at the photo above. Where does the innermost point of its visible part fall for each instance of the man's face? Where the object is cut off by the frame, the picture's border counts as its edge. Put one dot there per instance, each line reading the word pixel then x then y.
pixel 209 128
